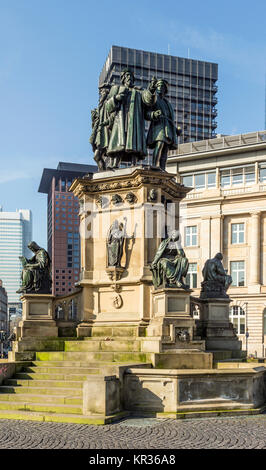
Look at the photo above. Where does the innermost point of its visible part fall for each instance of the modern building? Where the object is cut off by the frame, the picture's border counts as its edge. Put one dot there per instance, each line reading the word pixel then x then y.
pixel 63 223
pixel 3 308
pixel 192 90
pixel 226 212
pixel 15 234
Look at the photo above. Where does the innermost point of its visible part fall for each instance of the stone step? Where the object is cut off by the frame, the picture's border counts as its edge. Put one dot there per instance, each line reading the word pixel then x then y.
pixel 50 408
pixel 58 370
pixel 44 383
pixel 118 331
pixel 21 389
pixel 94 356
pixel 84 364
pixel 60 417
pixel 52 376
pixel 31 398
pixel 95 345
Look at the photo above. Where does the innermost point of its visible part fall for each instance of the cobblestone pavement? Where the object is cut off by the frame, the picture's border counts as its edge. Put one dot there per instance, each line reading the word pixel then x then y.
pixel 204 433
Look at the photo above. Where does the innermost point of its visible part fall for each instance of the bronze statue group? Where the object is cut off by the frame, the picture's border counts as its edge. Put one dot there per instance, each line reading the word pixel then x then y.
pixel 118 124
pixel 118 137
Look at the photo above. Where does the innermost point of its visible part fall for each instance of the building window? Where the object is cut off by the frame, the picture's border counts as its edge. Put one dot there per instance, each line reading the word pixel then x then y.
pixel 238 318
pixel 191 278
pixel 200 180
pixel 238 176
pixel 238 273
pixel 262 175
pixel 191 235
pixel 237 233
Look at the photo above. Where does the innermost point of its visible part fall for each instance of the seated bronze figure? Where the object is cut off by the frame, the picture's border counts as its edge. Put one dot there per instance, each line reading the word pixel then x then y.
pixel 36 273
pixel 216 281
pixel 170 265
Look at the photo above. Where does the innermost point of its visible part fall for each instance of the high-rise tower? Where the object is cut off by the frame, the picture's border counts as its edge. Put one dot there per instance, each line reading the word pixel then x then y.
pixel 15 234
pixel 192 90
pixel 63 223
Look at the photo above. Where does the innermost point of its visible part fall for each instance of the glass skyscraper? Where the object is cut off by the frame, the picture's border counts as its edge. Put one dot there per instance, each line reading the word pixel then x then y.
pixel 192 90
pixel 15 234
pixel 63 239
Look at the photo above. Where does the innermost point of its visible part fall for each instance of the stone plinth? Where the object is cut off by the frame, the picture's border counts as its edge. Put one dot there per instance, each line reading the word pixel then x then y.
pixel 101 395
pixel 214 325
pixel 171 321
pixel 37 316
pixel 175 391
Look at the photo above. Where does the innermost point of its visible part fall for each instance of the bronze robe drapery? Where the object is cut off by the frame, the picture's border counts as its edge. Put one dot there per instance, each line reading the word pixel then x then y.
pixel 169 266
pixel 37 276
pixel 162 129
pixel 128 130
pixel 115 243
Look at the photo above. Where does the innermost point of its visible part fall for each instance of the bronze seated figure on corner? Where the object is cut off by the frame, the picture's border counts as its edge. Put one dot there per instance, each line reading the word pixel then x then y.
pixel 170 265
pixel 36 273
pixel 216 281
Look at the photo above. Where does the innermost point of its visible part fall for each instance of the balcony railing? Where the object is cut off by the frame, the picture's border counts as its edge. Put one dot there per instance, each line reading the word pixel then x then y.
pixel 219 143
pixel 220 192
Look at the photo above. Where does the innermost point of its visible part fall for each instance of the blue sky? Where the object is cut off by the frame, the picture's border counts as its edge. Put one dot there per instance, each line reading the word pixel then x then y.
pixel 51 54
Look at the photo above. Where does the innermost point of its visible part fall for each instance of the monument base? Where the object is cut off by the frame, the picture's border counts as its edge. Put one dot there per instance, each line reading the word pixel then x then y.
pixel 214 325
pixel 37 317
pixel 171 321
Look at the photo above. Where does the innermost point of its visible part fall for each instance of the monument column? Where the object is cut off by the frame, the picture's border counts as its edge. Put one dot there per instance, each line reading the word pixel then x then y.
pixel 254 279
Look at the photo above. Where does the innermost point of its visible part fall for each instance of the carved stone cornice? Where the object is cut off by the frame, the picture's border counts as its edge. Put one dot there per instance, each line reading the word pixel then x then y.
pixel 135 180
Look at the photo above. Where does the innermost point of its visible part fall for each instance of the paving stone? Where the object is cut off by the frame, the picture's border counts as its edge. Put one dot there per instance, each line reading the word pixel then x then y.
pixel 138 433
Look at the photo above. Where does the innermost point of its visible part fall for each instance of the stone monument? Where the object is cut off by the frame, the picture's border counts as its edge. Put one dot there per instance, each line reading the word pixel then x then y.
pixel 214 325
pixel 37 312
pixel 134 306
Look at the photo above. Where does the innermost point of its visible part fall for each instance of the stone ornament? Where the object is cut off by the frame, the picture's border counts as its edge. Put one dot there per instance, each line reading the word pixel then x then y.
pixel 216 281
pixel 153 195
pixel 116 199
pixel 115 273
pixel 131 198
pixel 102 201
pixel 182 335
pixel 117 301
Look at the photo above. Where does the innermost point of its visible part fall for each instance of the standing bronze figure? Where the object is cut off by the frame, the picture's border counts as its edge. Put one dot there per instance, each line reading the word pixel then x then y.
pixel 127 140
pixel 163 133
pixel 36 273
pixel 101 128
pixel 170 265
pixel 115 243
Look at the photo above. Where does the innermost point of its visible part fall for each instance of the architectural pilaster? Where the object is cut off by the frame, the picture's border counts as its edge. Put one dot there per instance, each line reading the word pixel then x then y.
pixel 254 277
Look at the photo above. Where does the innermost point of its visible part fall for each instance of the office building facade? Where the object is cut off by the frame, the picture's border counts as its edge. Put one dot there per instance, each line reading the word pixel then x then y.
pixel 192 86
pixel 15 234
pixel 226 212
pixel 63 239
pixel 3 308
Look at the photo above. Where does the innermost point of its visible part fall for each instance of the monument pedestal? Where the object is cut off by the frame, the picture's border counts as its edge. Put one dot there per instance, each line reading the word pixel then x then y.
pixel 215 327
pixel 37 316
pixel 171 332
pixel 137 198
